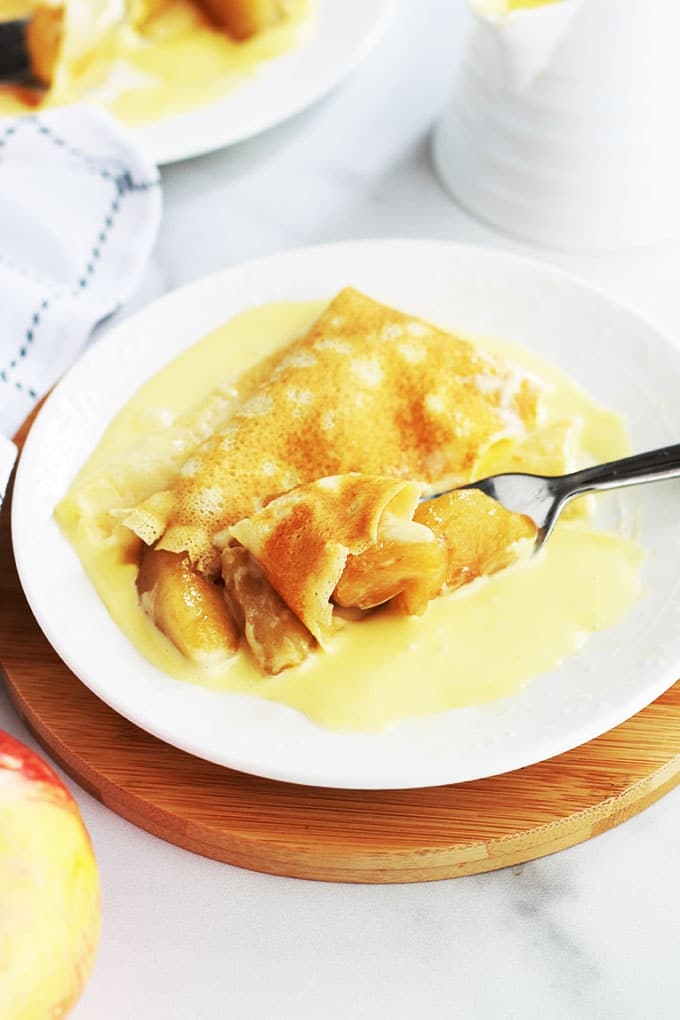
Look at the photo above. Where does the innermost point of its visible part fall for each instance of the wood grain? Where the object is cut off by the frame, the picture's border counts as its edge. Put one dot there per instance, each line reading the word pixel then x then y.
pixel 332 835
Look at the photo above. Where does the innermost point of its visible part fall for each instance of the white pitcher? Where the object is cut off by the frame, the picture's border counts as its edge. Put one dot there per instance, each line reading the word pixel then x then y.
pixel 564 127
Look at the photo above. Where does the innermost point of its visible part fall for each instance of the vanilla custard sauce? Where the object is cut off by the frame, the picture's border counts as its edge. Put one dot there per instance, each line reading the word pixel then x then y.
pixel 479 643
pixel 508 6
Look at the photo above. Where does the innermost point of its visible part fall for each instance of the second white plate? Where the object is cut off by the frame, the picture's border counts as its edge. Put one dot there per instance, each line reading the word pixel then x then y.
pixel 345 33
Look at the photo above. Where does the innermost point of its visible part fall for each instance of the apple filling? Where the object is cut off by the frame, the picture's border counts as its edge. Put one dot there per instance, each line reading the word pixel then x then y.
pixel 413 554
pixel 406 560
pixel 187 608
pixel 273 633
pixel 244 18
pixel 480 535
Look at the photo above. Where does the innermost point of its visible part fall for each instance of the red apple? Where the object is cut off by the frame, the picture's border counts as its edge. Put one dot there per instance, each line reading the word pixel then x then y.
pixel 49 890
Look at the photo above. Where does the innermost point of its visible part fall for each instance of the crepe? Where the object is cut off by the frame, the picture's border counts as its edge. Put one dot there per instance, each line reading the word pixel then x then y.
pixel 368 390
pixel 302 540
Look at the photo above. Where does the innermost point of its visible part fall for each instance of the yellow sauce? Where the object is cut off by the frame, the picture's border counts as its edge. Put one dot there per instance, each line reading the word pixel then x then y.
pixel 180 63
pixel 480 643
pixel 11 9
pixel 516 5
pixel 507 6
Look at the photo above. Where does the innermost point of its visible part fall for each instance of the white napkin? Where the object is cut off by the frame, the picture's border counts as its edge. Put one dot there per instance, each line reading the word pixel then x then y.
pixel 79 213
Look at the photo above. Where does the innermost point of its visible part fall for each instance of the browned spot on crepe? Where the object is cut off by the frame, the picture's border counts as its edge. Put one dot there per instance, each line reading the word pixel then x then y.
pixel 302 539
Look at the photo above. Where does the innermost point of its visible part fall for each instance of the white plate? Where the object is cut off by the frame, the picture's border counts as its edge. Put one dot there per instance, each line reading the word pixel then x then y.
pixel 620 358
pixel 346 30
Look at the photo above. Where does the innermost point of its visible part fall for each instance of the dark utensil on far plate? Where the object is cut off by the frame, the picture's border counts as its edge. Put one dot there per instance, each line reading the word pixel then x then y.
pixel 15 65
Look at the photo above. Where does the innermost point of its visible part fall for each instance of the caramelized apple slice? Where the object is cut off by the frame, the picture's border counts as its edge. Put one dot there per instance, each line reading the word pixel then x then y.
pixel 405 560
pixel 189 610
pixel 142 11
pixel 480 536
pixel 243 18
pixel 275 635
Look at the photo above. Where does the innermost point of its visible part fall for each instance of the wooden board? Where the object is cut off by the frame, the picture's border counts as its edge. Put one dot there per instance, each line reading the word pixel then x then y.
pixel 333 835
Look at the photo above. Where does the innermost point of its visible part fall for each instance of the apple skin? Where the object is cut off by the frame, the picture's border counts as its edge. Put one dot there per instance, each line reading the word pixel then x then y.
pixel 50 914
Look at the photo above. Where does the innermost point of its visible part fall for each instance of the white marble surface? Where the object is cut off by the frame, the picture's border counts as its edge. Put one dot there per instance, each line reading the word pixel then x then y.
pixel 587 934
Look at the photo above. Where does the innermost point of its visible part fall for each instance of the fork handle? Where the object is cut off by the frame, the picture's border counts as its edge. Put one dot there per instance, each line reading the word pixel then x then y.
pixel 654 465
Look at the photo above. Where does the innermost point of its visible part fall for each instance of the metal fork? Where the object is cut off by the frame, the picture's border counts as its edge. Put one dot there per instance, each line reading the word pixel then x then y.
pixel 543 497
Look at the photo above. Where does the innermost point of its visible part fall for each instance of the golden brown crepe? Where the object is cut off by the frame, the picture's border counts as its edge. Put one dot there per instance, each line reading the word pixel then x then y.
pixel 370 390
pixel 302 539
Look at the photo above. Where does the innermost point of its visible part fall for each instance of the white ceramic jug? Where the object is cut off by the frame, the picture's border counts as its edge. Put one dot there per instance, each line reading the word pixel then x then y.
pixel 564 127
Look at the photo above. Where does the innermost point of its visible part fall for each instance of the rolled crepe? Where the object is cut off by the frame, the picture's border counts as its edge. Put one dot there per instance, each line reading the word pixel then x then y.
pixel 302 540
pixel 368 390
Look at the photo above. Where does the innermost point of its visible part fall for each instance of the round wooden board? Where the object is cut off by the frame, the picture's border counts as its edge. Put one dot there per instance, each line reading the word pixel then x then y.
pixel 332 835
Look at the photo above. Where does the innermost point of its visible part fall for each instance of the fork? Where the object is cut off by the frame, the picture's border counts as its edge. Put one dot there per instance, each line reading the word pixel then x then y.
pixel 543 497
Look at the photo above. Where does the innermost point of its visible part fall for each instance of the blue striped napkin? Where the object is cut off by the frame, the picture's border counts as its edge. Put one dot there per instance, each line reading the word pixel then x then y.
pixel 79 213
